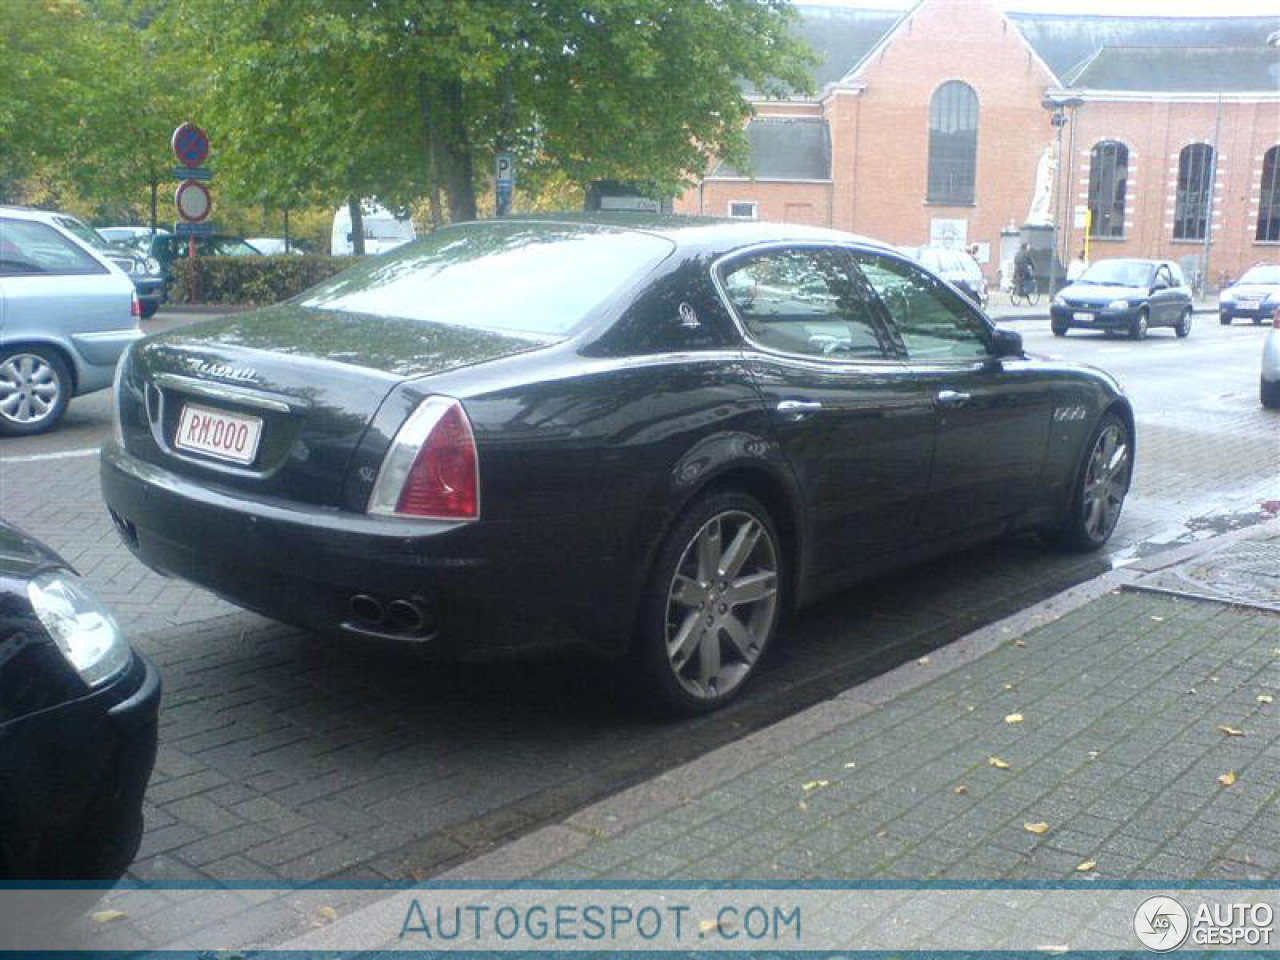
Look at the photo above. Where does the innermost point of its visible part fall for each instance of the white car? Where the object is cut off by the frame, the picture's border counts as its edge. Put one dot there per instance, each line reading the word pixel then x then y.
pixel 1256 295
pixel 67 313
pixel 1270 387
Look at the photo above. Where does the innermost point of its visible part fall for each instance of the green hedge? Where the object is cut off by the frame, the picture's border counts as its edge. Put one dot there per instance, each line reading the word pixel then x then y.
pixel 250 281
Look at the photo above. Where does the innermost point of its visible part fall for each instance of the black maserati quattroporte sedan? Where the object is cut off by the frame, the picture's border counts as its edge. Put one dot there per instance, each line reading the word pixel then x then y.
pixel 642 438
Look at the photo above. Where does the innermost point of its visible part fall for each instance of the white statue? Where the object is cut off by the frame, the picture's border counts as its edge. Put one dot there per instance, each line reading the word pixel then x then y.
pixel 1041 214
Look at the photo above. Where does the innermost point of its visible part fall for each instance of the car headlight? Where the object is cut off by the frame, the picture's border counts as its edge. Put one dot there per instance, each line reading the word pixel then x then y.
pixel 1118 305
pixel 151 265
pixel 81 626
pixel 1227 296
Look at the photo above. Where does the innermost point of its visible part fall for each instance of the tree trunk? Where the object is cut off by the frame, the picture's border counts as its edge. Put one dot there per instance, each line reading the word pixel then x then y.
pixel 357 226
pixel 155 190
pixel 459 181
pixel 430 137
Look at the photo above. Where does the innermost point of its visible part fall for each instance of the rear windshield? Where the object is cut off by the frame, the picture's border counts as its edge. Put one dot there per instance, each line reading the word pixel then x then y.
pixel 534 279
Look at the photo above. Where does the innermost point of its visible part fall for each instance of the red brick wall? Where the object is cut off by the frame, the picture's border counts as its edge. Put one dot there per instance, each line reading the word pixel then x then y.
pixel 880 148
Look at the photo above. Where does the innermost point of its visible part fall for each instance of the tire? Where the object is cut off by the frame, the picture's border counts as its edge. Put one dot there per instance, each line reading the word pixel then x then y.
pixel 35 388
pixel 1138 326
pixel 1225 321
pixel 1257 321
pixel 149 308
pixel 1059 327
pixel 1183 329
pixel 1033 297
pixel 1270 394
pixel 709 668
pixel 1098 484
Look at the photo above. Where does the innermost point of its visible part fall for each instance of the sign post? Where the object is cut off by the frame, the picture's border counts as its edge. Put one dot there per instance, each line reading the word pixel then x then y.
pixel 504 182
pixel 190 146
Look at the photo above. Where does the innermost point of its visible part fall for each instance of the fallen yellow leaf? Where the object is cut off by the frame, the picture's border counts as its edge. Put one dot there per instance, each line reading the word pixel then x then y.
pixel 1231 731
pixel 1013 718
pixel 997 763
pixel 1086 866
pixel 815 785
pixel 1266 698
pixel 923 661
pixel 327 913
pixel 1008 686
pixel 1019 642
pixel 1228 778
pixel 850 765
pixel 1053 948
pixel 1158 619
pixel 1040 827
pixel 706 926
pixel 106 916
pixel 962 789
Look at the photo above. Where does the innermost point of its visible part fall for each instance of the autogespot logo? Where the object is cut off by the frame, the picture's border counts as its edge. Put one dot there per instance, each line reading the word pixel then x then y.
pixel 1161 923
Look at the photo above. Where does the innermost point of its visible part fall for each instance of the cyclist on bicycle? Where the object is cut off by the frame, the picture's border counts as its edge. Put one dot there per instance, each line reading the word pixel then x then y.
pixel 1024 270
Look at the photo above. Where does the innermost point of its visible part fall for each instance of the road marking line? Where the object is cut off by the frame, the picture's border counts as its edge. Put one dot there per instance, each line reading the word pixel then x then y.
pixel 63 455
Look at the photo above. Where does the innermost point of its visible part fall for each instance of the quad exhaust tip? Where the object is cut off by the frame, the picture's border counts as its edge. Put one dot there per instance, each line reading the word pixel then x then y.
pixel 405 616
pixel 367 609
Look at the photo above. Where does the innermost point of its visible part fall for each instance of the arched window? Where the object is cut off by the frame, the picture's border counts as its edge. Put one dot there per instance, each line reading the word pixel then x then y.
pixel 953 143
pixel 1108 179
pixel 1195 175
pixel 1269 208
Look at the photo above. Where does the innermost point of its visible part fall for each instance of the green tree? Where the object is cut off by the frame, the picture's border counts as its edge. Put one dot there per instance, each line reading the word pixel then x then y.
pixel 401 98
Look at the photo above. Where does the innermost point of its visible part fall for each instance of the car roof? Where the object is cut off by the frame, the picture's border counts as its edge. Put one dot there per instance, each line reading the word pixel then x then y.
pixel 31 213
pixel 701 233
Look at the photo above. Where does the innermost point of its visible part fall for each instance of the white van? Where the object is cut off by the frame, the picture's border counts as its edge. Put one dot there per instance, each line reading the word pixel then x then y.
pixel 383 231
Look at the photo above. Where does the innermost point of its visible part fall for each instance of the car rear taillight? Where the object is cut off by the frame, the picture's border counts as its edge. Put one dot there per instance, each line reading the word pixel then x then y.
pixel 135 307
pixel 431 470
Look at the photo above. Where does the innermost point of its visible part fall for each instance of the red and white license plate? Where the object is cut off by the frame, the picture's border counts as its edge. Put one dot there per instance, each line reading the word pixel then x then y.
pixel 217 433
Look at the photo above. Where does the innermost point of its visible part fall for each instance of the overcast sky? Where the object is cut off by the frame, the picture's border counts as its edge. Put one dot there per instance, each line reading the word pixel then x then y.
pixel 1140 8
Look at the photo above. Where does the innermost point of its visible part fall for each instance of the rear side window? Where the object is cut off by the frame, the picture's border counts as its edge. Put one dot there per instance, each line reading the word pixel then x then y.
pixel 935 324
pixel 28 248
pixel 806 301
pixel 540 280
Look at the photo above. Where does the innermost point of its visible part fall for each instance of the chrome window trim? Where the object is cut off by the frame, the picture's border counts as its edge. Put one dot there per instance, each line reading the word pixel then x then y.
pixel 741 326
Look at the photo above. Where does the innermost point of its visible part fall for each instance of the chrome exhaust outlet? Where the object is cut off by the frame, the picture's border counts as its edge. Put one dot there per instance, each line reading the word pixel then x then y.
pixel 406 616
pixel 367 609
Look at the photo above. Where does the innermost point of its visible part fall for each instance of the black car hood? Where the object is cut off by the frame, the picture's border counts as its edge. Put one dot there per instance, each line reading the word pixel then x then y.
pixel 393 345
pixel 21 555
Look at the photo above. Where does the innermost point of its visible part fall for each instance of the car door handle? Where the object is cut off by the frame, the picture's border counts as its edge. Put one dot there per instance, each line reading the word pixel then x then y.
pixel 798 409
pixel 951 398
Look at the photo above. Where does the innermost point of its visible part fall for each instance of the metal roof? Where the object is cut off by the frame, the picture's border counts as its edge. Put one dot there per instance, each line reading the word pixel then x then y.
pixel 1181 69
pixel 785 148
pixel 1066 42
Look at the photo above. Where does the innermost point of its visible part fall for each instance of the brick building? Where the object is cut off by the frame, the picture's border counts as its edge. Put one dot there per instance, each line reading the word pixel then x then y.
pixel 942 123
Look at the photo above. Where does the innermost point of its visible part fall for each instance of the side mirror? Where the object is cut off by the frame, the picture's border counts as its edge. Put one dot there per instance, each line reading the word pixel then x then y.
pixel 1006 343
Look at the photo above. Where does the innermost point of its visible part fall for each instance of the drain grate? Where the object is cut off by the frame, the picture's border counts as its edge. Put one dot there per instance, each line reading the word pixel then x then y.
pixel 1246 573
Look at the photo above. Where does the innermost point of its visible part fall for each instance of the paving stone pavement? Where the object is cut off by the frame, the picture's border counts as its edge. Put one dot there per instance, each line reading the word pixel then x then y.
pixel 1120 750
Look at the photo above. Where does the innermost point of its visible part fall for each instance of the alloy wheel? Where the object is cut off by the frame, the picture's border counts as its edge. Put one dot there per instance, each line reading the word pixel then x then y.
pixel 721 604
pixel 1106 482
pixel 29 389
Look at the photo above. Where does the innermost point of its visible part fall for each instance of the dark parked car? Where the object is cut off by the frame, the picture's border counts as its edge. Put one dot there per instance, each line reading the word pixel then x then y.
pixel 645 441
pixel 77 724
pixel 142 270
pixel 164 248
pixel 1255 296
pixel 957 268
pixel 1124 296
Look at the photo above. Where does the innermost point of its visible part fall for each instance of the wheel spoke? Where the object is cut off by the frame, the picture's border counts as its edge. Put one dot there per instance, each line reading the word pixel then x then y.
pixel 9 404
pixel 709 551
pixel 743 543
pixel 752 588
pixel 741 639
pixel 709 660
pixel 688 592
pixel 682 645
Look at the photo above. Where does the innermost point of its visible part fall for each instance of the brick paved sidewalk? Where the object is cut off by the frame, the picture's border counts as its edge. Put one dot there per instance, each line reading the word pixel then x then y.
pixel 1143 731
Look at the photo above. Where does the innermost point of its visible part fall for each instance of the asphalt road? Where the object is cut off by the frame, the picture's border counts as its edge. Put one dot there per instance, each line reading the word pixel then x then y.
pixel 288 757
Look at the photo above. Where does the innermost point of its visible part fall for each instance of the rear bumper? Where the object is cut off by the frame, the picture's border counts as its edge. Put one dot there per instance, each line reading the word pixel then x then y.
pixel 1262 312
pixel 74 778
pixel 480 595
